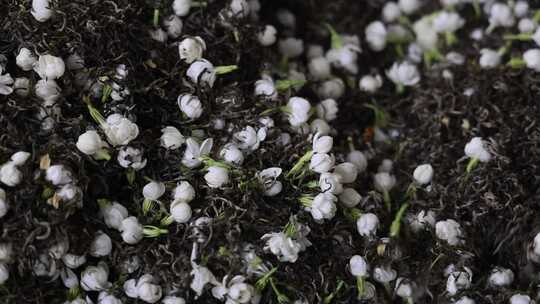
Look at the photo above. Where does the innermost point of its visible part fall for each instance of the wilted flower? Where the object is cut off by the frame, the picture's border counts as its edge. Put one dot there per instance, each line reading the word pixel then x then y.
pixel 191 49
pixel 194 151
pixel 129 157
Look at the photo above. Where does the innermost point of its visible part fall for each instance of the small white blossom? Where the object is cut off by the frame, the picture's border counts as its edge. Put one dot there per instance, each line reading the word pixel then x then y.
pixel 489 58
pixel 201 277
pixel 73 261
pixel 153 190
pixel 26 59
pixel 501 277
pixel 58 175
pixel 350 197
pixel 101 245
pixel 48 91
pixel 358 159
pixel 181 7
pixel 247 139
pixel 184 192
pixel 318 126
pixel 174 26
pixel 268 179
pixel 291 47
pixel 358 266
pixel 238 9
pixel 158 35
pixel 319 68
pixel 194 151
pixel 345 57
pixel 449 231
pixel 113 214
pixel 458 280
pixel 327 109
pixel 332 88
pixel 148 290
pixel 4 273
pixel 426 35
pixel 527 26
pixel 50 67
pixel 322 144
pixel 298 111
pixel 216 177
pixel 532 59
pixel 180 212
pixel 391 12
pixel 95 278
pixel 10 175
pixel 191 49
pixel 3 205
pixel 404 74
pixel 521 8
pixel 384 274
pixel 384 182
pixel 409 6
pixel 447 22
pixel 90 143
pixel 132 230
pixel 21 86
pixel 423 174
pixel 465 300
pixel 129 157
pixel 422 220
pixel 321 162
pixel 347 171
pixel 404 288
pixel 202 71
pixel 521 299
pixel 330 183
pixel 283 247
pixel 376 35
pixel 267 36
pixel 265 88
pixel 501 15
pixel 120 131
pixel 41 10
pixel 370 83
pixel 231 154
pixel 367 224
pixel 171 138
pixel 476 149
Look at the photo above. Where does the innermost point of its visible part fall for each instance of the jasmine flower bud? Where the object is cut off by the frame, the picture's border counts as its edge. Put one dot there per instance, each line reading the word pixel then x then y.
pixel 282 246
pixel 423 174
pixel 129 157
pixel 21 86
pixel 113 214
pixel 10 175
pixel 184 192
pixel 449 231
pixel 41 10
pixel 238 9
pixel 532 59
pixel 319 126
pixel 458 280
pixel 500 15
pixel 321 162
pixel 94 278
pixel 447 22
pixel 358 159
pixel 350 197
pixel 4 273
pixel 475 149
pixel 69 278
pixel 347 172
pixel 216 177
pixel 521 8
pixel 319 68
pixel 501 277
pixel 147 290
pixel 101 245
pixel 90 143
pixel 50 67
pixel 3 204
pixel 322 144
pixel 105 298
pixel 153 190
pixel 327 109
pixel 391 12
pixel 409 6
pixel 370 84
pixel 120 131
pixel 384 182
pixel 376 36
pixel 489 58
pixel 58 175
pixel 331 183
pixel 333 88
pixel 265 88
pixel 465 300
pixel 231 154
pixel 384 274
pixel 174 26
pixel 367 224
pixel 267 37
pixel 527 25
pixel 426 36
pixel 358 266
pixel 521 299
pixel 48 91
pixel 422 220
pixel 247 139
pixel 201 72
pixel 191 49
pixel 268 179
pixel 171 138
pixel 73 261
pixel 403 74
pixel 298 111
pixel 181 7
pixel 173 300
pixel 158 35
pixel 180 212
pixel 345 57
pixel 26 59
pixel 291 47
pixel 194 151
pixel 132 230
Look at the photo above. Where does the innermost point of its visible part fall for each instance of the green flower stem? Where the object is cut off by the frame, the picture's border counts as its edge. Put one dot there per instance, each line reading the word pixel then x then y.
pixel 518 37
pixel 209 162
pixel 396 223
pixel 450 38
pixel 411 190
pixel 263 281
pixel 166 221
pixel 103 202
pixel 360 285
pixel 336 41
pixel 102 154
pixel 297 168
pixel 153 231
pixel 286 84
pixel 199 4
pixel 98 118
pixel 155 19
pixel 306 200
pixel 473 162
pixel 280 297
pixel 516 63
pixel 225 69
pixel 352 214
pixel 107 91
pixel 387 200
pixel 330 297
pixel 147 206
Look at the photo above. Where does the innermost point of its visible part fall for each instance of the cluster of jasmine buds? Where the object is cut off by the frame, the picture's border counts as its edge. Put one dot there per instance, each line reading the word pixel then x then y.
pixel 287 244
pixel 144 288
pixel 180 209
pixel 235 291
pixel 116 216
pixel 64 187
pixel 10 173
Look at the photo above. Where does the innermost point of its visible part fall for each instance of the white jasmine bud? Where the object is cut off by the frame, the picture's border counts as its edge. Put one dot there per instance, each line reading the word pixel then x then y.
pixel 409 6
pixel 265 88
pixel 6 82
pixel 105 298
pixel 194 151
pixel 48 91
pixel 120 131
pixel 333 88
pixel 320 126
pixel 73 261
pixel 3 206
pixel 500 15
pixel 386 166
pixel 238 9
pixel 449 231
pixel 323 206
pixel 90 143
pixel 521 299
pixel 426 35
pixel 367 224
pixel 459 280
pixel 403 74
pixel 201 71
pixel 447 22
pixel 68 193
pixel 298 111
pixel 489 58
pixel 4 273
pixel 476 149
pixel 376 36
pixel 132 230
pixel 174 26
pixel 527 25
pixel 171 138
pixel 113 214
pixel 501 277
pixel 532 59
pixel 384 274
pixel 423 174
pixel 69 278
pixel 358 266
pixel 345 57
pixel 455 58
pixel 286 18
pixel 21 86
pixel 370 84
pixel 322 144
pixel 216 177
pixel 190 105
pixel 153 190
pixel 41 10
pixel 58 175
pixel 465 300
pixel 26 59
pixel 404 288
pixel 231 154
pixel 391 12
pixel 331 183
pixel 173 300
pixel 422 220
pixel 350 197
pixel 95 278
pixel 321 162
pixel 358 159
pixel 282 246
pixel 180 212
pixel 101 245
pixel 181 7
pixel 347 172
pixel 267 36
pixel 19 158
pixel 521 8
pixel 184 192
pixel 129 157
pixel 247 139
pixel 384 182
pixel 191 49
pixel 291 47
pixel 319 68
pixel 268 179
pixel 50 67
pixel 147 290
pixel 327 109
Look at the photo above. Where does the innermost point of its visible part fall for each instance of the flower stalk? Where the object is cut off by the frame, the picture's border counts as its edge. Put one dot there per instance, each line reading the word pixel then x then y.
pixel 153 231
pixel 396 223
